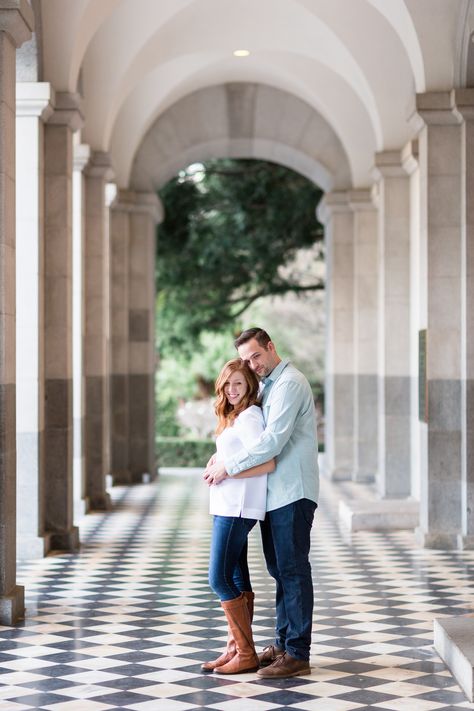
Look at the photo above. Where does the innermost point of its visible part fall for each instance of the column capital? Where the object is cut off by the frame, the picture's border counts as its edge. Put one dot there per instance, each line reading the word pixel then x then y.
pixel 331 203
pixel 110 193
pixel 35 99
pixel 81 156
pixel 124 201
pixel 150 203
pixel 17 20
pixel 410 156
pixel 68 110
pixel 397 163
pixel 135 201
pixel 362 199
pixel 437 108
pixel 99 166
pixel 464 100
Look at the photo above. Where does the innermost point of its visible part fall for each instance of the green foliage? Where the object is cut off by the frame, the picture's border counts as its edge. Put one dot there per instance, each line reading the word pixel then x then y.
pixel 180 452
pixel 173 383
pixel 166 423
pixel 230 226
pixel 186 377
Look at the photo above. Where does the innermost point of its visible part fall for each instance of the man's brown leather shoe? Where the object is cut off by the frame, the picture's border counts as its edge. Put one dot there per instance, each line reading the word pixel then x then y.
pixel 285 666
pixel 269 655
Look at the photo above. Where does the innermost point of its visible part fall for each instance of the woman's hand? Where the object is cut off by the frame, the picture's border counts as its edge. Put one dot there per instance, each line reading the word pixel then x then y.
pixel 212 460
pixel 215 473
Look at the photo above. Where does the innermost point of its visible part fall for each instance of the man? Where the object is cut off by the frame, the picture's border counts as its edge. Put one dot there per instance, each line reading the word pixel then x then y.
pixel 292 494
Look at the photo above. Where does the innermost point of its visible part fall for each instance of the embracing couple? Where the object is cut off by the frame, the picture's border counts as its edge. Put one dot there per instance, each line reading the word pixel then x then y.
pixel 265 469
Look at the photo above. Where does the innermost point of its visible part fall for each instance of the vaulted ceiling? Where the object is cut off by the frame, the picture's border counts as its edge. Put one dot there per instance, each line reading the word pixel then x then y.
pixel 166 68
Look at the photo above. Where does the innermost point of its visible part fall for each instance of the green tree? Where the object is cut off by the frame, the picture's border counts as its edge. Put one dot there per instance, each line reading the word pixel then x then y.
pixel 186 376
pixel 230 227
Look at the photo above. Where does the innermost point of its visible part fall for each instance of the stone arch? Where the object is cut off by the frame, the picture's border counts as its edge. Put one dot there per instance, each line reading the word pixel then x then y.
pixel 398 16
pixel 241 120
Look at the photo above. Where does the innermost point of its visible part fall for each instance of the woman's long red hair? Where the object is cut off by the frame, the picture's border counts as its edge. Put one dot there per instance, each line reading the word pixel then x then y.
pixel 226 413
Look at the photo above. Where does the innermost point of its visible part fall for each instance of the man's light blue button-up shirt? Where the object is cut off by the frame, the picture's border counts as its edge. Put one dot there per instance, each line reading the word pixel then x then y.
pixel 290 436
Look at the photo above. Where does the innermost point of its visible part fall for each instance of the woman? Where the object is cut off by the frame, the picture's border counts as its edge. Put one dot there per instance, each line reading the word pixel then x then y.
pixel 237 504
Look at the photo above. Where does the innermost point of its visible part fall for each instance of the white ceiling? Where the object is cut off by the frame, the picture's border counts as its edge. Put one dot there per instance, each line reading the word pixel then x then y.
pixel 356 63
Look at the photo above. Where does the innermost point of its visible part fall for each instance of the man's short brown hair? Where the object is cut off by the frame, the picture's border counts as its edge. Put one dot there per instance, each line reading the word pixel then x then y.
pixel 261 336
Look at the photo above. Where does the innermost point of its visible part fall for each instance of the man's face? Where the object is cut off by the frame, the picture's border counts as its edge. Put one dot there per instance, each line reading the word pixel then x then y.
pixel 260 359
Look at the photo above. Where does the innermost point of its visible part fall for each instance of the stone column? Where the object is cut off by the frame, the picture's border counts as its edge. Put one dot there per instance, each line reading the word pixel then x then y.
pixel 392 170
pixel 33 106
pixel 58 322
pixel 335 213
pixel 141 331
pixel 465 104
pixel 118 380
pixel 81 157
pixel 16 23
pixel 98 172
pixel 365 335
pixel 441 218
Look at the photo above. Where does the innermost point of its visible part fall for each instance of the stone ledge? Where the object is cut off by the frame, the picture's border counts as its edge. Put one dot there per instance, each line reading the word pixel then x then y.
pixel 181 471
pixel 454 642
pixel 12 606
pixel 378 514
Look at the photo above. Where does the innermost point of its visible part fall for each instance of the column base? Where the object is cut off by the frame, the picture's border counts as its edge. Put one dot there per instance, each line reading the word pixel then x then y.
pixel 465 543
pixel 124 478
pixel 101 502
pixel 378 515
pixel 31 547
pixel 12 607
pixel 338 474
pixel 363 476
pixel 453 640
pixel 80 508
pixel 439 541
pixel 153 475
pixel 64 541
pixel 121 477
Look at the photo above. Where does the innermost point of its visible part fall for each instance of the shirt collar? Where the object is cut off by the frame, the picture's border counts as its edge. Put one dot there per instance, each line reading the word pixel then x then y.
pixel 276 372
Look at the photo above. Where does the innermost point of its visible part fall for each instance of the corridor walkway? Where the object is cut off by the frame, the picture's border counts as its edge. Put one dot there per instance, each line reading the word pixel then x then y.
pixel 126 623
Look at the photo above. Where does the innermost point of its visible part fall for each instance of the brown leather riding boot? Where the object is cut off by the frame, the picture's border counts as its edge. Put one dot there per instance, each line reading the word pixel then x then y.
pixel 231 649
pixel 238 618
pixel 250 597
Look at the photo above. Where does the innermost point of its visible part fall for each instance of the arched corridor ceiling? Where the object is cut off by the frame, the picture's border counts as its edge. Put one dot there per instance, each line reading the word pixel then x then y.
pixel 357 65
pixel 242 121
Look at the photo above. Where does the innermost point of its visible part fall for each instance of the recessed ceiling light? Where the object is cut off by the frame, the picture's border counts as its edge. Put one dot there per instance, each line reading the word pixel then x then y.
pixel 241 53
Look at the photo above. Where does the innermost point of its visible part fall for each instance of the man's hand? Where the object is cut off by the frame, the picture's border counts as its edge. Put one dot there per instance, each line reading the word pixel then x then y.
pixel 215 473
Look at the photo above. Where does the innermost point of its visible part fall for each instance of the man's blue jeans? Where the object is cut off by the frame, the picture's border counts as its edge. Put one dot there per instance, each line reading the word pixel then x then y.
pixel 228 568
pixel 286 543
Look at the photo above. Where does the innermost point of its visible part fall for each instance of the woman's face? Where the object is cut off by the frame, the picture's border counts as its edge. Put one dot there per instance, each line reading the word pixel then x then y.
pixel 235 388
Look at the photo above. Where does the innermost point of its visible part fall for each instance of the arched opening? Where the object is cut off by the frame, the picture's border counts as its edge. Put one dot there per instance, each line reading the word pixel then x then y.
pixel 240 245
pixel 246 121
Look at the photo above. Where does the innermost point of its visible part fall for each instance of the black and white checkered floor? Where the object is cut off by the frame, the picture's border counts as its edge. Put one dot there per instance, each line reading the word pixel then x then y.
pixel 126 623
